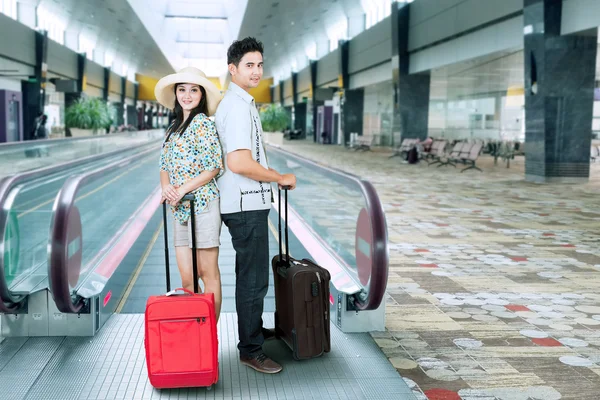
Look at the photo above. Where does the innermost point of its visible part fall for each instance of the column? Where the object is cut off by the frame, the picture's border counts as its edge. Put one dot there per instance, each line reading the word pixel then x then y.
pixel 411 91
pixel 136 93
pixel 34 89
pixel 299 108
pixel 313 93
pixel 149 113
pixel 559 96
pixel 351 101
pixel 106 83
pixel 294 88
pixel 71 98
pixel 281 92
pixel 121 107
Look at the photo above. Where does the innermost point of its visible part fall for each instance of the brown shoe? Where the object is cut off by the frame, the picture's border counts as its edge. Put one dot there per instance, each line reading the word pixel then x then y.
pixel 262 363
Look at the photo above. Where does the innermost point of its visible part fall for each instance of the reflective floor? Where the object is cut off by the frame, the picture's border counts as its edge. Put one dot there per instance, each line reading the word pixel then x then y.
pixel 493 287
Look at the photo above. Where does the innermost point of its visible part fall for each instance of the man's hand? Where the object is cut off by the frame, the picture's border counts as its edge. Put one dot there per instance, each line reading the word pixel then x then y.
pixel 287 180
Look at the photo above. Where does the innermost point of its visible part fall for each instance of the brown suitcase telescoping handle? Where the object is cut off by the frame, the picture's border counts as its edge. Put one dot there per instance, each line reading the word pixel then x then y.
pixel 287 246
pixel 188 197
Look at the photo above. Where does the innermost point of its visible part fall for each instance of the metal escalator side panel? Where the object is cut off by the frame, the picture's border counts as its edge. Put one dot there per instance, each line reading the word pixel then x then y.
pixel 65 266
pixel 370 298
pixel 8 302
pixel 379 250
pixel 58 258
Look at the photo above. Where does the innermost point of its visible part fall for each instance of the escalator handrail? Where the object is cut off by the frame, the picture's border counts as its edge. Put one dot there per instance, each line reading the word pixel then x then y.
pixel 44 142
pixel 58 280
pixel 380 259
pixel 8 302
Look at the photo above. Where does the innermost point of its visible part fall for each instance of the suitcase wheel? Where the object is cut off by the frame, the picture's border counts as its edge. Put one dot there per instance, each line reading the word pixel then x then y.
pixel 209 388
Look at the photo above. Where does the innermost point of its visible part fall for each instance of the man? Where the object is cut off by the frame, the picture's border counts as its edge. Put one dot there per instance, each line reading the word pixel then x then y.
pixel 245 188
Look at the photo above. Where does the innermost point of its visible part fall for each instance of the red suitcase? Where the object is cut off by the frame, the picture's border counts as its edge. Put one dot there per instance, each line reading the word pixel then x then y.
pixel 181 333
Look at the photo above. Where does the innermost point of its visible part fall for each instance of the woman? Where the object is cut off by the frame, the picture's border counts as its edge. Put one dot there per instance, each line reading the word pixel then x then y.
pixel 190 161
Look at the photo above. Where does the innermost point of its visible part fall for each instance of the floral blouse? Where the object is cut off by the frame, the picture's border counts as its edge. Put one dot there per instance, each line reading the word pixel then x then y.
pixel 186 156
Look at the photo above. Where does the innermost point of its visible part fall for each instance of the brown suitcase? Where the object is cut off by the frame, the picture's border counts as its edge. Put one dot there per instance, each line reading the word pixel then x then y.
pixel 301 301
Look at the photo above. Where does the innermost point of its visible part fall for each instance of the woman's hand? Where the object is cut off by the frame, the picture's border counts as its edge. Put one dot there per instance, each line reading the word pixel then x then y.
pixel 170 193
pixel 180 192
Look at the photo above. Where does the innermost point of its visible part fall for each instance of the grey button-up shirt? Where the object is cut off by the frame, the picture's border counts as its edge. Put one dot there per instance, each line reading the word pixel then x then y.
pixel 239 128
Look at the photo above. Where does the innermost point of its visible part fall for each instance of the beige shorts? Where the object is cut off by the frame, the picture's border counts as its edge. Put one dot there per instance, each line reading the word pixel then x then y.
pixel 208 229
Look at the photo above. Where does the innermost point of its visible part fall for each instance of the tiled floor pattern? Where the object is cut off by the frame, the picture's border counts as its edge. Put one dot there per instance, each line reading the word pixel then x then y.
pixel 494 282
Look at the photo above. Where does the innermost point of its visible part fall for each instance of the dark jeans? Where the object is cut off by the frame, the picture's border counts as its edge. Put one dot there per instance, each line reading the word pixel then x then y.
pixel 250 237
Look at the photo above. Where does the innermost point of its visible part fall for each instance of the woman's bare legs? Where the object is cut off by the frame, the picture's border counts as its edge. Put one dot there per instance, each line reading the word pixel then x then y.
pixel 210 274
pixel 208 271
pixel 184 263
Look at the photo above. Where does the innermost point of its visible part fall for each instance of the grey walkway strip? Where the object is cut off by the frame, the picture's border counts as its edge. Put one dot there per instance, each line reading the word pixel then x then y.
pixel 112 366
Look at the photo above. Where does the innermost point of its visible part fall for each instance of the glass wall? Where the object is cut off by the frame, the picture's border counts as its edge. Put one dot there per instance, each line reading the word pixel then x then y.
pixel 55 110
pixel 479 99
pixel 378 112
pixel 484 99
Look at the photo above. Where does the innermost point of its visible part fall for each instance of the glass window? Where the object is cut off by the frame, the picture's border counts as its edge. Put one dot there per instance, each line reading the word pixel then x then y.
pixel 311 51
pixel 86 46
pixel 337 32
pixel 9 8
pixel 52 24
pixel 109 59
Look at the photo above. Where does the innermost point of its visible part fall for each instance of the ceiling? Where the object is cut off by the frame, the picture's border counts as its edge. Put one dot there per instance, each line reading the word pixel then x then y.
pixel 114 28
pixel 153 37
pixel 287 28
pixel 157 37
pixel 193 32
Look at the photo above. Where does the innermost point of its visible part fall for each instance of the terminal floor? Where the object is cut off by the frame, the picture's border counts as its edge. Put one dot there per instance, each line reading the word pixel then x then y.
pixel 493 286
pixel 112 366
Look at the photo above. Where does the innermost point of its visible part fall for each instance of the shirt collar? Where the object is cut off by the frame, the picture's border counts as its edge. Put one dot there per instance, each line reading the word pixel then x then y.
pixel 241 92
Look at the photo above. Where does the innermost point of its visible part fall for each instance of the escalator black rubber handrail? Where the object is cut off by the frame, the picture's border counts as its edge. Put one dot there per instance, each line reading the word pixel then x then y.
pixel 380 259
pixel 44 142
pixel 8 302
pixel 58 280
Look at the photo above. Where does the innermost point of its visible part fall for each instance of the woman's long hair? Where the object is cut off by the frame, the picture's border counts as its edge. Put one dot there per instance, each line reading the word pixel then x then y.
pixel 202 107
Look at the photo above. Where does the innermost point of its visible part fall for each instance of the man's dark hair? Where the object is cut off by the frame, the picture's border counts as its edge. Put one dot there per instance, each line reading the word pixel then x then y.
pixel 240 48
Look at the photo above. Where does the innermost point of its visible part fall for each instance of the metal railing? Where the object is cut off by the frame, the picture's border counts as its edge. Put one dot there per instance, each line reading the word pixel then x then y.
pixel 66 299
pixel 371 298
pixel 9 302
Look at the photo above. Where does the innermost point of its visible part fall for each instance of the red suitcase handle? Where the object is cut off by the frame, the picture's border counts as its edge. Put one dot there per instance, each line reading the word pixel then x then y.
pixel 181 290
pixel 190 197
